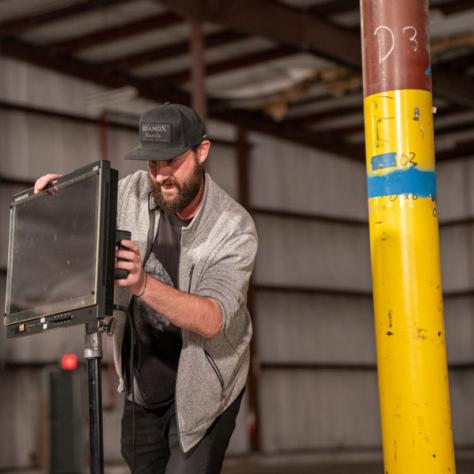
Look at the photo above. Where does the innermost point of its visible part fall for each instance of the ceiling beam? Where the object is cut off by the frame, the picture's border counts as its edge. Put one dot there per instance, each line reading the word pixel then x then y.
pixel 54 60
pixel 327 114
pixel 455 6
pixel 292 26
pixel 226 65
pixel 453 86
pixel 172 50
pixel 43 56
pixel 324 141
pixel 27 22
pixel 278 22
pixel 464 149
pixel 101 36
pixel 330 7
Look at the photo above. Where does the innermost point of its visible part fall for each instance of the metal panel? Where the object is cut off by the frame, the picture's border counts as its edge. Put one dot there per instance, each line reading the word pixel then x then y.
pixel 290 177
pixel 459 320
pixel 455 189
pixel 462 393
pixel 222 165
pixel 6 193
pixel 309 328
pixel 22 411
pixel 34 145
pixel 457 266
pixel 36 86
pixel 319 410
pixel 299 253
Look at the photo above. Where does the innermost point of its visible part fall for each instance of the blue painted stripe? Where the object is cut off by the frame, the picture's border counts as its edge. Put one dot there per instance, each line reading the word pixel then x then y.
pixel 411 181
pixel 386 160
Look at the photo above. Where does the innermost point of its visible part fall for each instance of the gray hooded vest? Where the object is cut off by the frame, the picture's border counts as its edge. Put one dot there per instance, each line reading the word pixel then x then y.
pixel 218 250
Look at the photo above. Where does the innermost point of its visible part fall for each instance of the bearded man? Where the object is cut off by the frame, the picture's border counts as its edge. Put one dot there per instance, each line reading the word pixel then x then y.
pixel 183 352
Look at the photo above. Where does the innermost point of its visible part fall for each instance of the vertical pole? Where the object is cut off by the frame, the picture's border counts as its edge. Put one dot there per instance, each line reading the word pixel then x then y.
pixel 93 355
pixel 198 69
pixel 411 353
pixel 243 155
pixel 103 136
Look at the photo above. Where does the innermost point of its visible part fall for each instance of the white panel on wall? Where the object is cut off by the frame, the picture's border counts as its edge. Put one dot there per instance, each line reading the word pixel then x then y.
pixel 223 167
pixel 312 254
pixel 239 441
pixel 457 257
pixel 119 143
pixel 304 410
pixel 459 323
pixel 294 327
pixel 455 189
pixel 33 145
pixel 35 86
pixel 461 383
pixel 290 177
pixel 6 195
pixel 221 130
pixel 46 347
pixel 21 412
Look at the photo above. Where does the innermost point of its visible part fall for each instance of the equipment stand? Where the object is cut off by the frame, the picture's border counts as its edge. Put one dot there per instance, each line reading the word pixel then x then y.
pixel 93 355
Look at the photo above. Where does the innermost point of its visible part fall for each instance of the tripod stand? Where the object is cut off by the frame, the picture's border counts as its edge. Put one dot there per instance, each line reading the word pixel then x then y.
pixel 93 354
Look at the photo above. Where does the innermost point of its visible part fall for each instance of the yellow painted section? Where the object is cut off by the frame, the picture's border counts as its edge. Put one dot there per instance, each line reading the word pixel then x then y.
pixel 401 122
pixel 404 241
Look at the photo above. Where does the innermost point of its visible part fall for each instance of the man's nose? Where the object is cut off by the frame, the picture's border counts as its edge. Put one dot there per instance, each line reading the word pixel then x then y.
pixel 162 171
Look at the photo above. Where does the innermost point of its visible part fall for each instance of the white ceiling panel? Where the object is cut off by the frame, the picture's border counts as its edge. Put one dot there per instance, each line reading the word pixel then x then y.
pixel 94 20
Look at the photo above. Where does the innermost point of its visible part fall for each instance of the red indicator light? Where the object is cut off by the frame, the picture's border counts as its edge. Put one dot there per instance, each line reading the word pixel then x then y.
pixel 69 362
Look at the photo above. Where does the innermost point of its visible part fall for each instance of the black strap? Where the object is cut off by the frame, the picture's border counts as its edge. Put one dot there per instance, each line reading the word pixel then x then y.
pixel 151 228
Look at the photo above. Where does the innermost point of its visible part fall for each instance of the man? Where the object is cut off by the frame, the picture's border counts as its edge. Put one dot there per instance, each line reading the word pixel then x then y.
pixel 182 353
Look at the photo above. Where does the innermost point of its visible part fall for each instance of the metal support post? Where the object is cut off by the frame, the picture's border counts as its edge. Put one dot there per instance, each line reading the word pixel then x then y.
pixel 93 355
pixel 198 68
pixel 408 301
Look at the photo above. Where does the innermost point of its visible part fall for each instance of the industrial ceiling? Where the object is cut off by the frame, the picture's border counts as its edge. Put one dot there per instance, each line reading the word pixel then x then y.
pixel 288 68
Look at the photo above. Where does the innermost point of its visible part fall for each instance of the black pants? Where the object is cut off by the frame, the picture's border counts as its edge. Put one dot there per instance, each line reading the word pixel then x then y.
pixel 157 449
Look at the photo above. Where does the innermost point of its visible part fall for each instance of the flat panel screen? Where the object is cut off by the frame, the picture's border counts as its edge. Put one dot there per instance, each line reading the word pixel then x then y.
pixel 54 245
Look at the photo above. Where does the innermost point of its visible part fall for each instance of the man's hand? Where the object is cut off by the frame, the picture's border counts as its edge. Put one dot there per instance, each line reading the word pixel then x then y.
pixel 41 183
pixel 131 261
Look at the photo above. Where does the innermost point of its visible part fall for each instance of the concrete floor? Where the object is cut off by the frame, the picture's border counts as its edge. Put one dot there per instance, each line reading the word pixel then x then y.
pixel 315 464
pixel 297 464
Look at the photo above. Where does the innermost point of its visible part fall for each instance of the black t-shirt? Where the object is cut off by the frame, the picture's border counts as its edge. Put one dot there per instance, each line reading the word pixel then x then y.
pixel 157 347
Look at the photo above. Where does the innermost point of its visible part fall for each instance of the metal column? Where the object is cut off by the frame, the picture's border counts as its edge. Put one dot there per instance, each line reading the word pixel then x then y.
pixel 198 68
pixel 411 354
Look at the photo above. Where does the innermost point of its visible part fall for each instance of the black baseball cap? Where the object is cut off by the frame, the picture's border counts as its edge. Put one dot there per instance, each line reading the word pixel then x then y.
pixel 167 131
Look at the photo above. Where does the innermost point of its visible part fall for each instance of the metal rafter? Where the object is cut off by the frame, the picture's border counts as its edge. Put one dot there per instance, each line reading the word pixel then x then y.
pixel 172 50
pixel 27 22
pixel 154 22
pixel 330 7
pixel 291 26
pixel 278 22
pixel 455 6
pixel 54 60
pixel 226 65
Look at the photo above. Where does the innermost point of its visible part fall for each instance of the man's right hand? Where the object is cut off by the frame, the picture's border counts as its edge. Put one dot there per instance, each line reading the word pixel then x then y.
pixel 41 183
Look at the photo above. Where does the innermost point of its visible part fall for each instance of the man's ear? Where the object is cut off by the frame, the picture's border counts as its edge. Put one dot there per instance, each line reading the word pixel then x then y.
pixel 203 151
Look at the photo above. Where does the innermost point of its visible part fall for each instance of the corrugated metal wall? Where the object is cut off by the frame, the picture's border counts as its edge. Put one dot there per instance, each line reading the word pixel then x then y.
pixel 313 311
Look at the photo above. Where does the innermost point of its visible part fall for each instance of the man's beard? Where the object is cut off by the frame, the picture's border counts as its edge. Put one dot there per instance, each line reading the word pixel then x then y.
pixel 186 192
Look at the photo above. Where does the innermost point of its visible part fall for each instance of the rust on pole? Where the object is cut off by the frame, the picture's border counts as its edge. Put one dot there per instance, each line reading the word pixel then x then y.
pixel 404 238
pixel 198 68
pixel 395 45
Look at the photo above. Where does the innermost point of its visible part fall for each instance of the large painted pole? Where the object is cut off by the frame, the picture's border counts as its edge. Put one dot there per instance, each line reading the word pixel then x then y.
pixel 404 238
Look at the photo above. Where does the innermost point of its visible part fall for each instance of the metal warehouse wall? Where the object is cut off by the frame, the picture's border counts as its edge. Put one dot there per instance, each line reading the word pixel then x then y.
pixel 313 312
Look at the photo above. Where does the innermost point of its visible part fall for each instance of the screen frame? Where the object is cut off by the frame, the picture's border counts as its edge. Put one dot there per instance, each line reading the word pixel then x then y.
pixel 83 309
